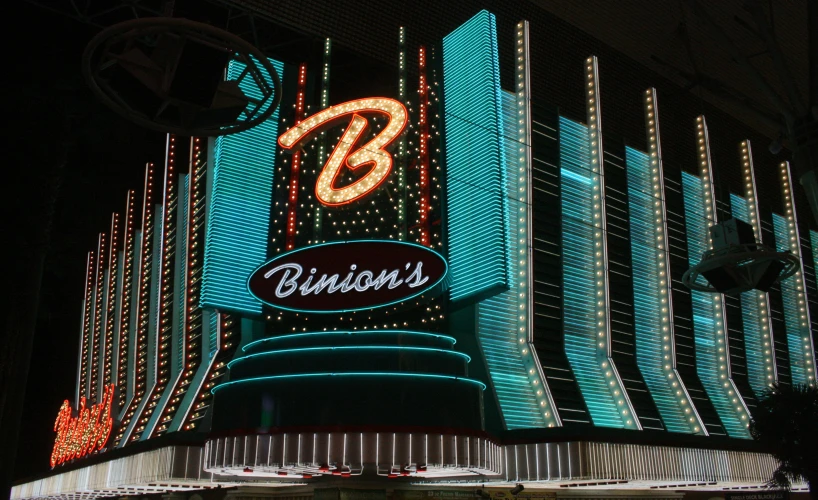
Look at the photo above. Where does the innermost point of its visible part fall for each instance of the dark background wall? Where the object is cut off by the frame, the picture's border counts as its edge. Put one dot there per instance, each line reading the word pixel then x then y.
pixel 558 51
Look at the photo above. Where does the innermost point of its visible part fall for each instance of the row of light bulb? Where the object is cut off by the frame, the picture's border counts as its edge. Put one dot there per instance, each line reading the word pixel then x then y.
pixel 317 218
pixel 99 314
pixel 719 320
pixel 668 353
pixel 90 266
pixel 143 302
pixel 625 410
pixel 795 247
pixel 110 313
pixel 126 293
pixel 531 362
pixel 762 299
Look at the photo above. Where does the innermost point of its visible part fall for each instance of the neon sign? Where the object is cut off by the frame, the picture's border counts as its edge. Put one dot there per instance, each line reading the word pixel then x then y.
pixel 372 153
pixel 87 432
pixel 349 276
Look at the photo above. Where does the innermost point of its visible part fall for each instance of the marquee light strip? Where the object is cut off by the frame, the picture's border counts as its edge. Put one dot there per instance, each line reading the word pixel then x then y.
pixel 715 351
pixel 110 304
pixel 190 314
pixel 83 376
pixel 222 348
pixel 163 328
pixel 603 306
pixel 423 146
pixel 402 146
pixel 767 373
pixel 322 142
pixel 142 306
pixel 123 359
pixel 522 170
pixel 99 314
pixel 667 387
pixel 799 337
pixel 349 374
pixel 373 152
pixel 295 166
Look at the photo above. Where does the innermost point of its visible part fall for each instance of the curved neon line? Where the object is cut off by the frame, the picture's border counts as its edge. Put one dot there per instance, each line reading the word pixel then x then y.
pixel 332 348
pixel 336 311
pixel 351 374
pixel 347 332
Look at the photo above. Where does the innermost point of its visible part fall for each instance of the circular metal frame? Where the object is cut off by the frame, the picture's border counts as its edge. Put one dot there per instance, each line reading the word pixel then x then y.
pixel 98 56
pixel 738 256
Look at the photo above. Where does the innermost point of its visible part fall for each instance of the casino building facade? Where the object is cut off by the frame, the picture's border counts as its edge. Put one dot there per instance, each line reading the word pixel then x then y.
pixel 428 290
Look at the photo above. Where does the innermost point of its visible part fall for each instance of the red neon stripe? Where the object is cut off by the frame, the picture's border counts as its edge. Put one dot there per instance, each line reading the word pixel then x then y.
pixel 423 165
pixel 292 199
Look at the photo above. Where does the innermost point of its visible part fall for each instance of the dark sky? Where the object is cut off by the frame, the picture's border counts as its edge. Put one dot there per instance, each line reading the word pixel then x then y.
pixel 53 112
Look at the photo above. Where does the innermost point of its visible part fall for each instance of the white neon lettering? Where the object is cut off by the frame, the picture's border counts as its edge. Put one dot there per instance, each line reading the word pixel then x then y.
pixel 286 281
pixel 305 287
pixel 417 276
pixel 394 282
pixel 324 282
pixel 345 285
pixel 289 273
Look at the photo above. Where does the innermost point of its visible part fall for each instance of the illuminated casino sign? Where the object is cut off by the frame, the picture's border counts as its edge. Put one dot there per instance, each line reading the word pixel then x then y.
pixel 348 276
pixel 372 153
pixel 87 432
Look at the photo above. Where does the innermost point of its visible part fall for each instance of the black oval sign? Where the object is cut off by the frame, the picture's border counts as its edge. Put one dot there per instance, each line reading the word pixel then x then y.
pixel 348 276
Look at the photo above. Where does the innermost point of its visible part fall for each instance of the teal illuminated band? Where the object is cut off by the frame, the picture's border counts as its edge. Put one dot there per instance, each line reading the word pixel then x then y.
pixel 708 321
pixel 791 295
pixel 297 350
pixel 475 164
pixel 402 332
pixel 240 186
pixel 350 374
pixel 375 306
pixel 502 318
pixel 753 309
pixel 653 329
pixel 579 280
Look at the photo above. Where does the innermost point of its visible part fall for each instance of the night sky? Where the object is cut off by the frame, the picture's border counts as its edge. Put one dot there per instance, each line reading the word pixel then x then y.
pixel 54 113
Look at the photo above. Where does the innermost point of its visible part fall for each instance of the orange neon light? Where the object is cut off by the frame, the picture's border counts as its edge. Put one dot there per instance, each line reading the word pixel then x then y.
pixel 372 153
pixel 85 433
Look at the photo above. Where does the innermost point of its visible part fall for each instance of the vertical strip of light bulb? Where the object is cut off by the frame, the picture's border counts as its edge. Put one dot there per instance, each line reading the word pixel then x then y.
pixel 761 374
pixel 322 142
pixel 99 315
pixel 223 348
pixel 193 315
pixel 175 389
pixel 423 148
pixel 143 306
pixel 799 336
pixel 110 304
pixel 402 147
pixel 521 169
pixel 602 316
pixel 85 334
pixel 712 343
pixel 295 170
pixel 164 307
pixel 656 355
pixel 123 352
